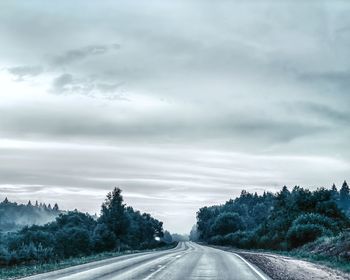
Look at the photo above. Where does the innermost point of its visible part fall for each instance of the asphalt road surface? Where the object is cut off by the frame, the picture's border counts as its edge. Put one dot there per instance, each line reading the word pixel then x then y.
pixel 187 261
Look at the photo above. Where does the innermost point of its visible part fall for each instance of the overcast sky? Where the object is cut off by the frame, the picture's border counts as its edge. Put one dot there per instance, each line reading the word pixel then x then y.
pixel 181 104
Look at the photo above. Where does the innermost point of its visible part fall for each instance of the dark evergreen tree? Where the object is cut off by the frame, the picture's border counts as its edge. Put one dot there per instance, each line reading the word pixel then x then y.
pixel 344 193
pixel 113 214
pixel 55 207
pixel 344 198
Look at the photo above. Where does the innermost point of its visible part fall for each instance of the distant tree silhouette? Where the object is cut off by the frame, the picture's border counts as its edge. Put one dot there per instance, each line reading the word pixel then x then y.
pixel 167 237
pixel 344 192
pixel 55 207
pixel 344 197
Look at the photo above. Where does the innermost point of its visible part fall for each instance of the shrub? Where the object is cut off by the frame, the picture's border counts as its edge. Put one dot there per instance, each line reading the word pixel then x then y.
pixel 73 242
pixel 317 219
pixel 103 239
pixel 300 234
pixel 217 240
pixel 227 223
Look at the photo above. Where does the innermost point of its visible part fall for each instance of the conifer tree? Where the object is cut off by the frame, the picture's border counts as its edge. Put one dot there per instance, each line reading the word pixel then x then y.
pixel 55 207
pixel 113 214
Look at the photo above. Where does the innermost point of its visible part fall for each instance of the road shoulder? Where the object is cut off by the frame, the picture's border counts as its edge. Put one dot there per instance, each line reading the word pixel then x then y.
pixel 280 267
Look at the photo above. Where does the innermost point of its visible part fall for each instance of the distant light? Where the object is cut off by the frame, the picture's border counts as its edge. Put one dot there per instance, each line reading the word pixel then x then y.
pixel 157 238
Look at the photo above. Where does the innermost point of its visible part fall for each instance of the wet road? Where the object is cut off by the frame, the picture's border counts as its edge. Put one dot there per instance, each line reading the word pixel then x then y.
pixel 187 261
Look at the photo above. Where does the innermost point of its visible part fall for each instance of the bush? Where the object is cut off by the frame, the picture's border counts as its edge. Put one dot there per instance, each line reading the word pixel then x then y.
pixel 217 240
pixel 103 239
pixel 5 256
pixel 227 223
pixel 317 219
pixel 300 234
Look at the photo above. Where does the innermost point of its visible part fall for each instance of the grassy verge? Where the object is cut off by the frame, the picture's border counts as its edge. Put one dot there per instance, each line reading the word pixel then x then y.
pixel 329 261
pixel 15 272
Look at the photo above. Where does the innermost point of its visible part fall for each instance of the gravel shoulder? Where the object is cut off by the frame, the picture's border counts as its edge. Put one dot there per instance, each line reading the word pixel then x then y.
pixel 280 267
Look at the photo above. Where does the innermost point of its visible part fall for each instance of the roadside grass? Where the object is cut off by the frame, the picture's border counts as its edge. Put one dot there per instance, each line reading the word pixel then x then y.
pixel 15 272
pixel 333 251
pixel 329 261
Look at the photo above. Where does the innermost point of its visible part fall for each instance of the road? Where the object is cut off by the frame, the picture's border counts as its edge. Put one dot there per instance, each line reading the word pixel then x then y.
pixel 187 261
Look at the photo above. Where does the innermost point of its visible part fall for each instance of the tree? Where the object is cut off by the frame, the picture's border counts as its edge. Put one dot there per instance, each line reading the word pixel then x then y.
pixel 334 188
pixel 300 234
pixel 103 239
pixel 227 223
pixel 344 197
pixel 167 237
pixel 113 215
pixel 55 207
pixel 344 192
pixel 194 234
pixel 274 221
pixel 74 233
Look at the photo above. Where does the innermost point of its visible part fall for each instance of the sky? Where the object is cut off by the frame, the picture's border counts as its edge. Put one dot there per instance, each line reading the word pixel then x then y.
pixel 181 104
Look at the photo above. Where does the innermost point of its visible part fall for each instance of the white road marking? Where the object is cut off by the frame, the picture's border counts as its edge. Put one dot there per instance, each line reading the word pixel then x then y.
pixel 252 267
pixel 161 267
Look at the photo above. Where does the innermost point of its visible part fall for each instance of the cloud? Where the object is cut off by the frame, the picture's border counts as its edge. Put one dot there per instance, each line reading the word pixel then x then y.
pixel 22 72
pixel 105 87
pixel 74 55
pixel 262 86
pixel 88 86
pixel 333 116
pixel 62 82
pixel 157 179
pixel 331 82
pixel 67 84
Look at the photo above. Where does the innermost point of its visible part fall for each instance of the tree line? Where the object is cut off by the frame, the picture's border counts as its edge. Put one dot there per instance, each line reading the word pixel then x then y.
pixel 282 221
pixel 119 227
pixel 14 216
